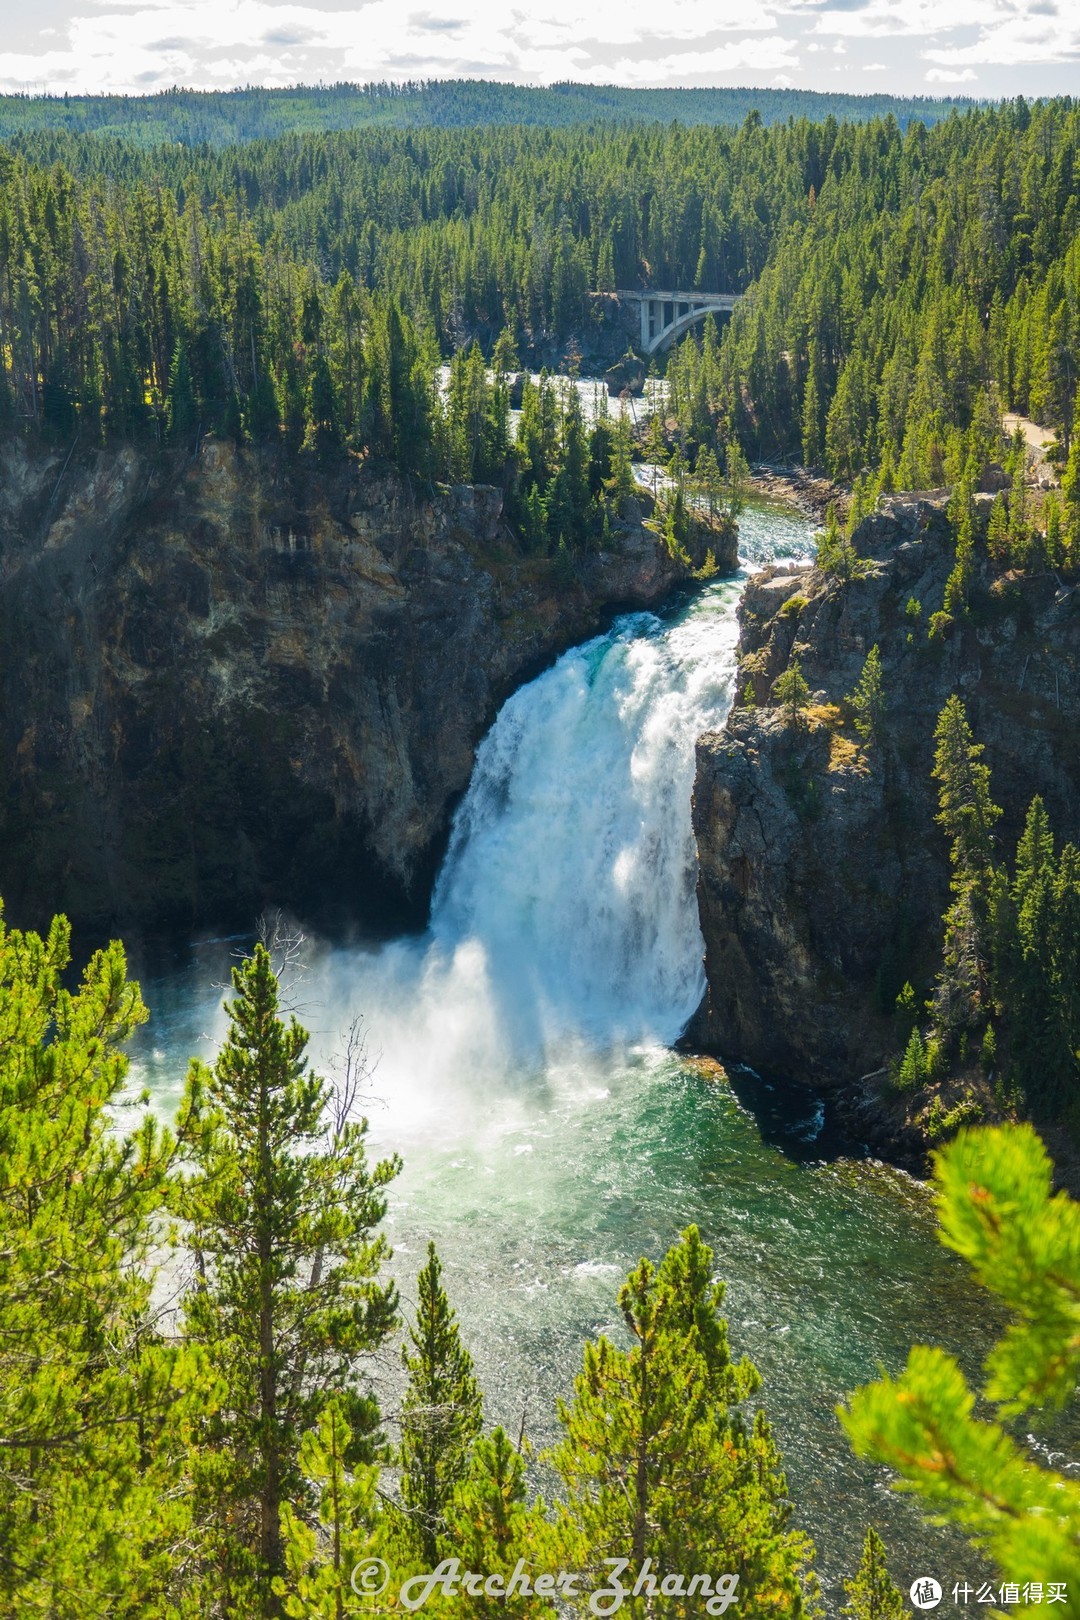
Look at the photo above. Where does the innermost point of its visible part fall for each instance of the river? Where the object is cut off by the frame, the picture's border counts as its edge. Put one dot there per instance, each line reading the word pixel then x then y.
pixel 523 1065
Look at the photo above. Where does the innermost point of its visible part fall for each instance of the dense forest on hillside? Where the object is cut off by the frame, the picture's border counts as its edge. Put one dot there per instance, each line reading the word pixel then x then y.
pixel 903 288
pixel 220 117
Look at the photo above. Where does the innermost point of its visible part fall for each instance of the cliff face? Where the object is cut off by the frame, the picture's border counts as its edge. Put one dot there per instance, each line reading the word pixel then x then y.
pixel 244 678
pixel 823 876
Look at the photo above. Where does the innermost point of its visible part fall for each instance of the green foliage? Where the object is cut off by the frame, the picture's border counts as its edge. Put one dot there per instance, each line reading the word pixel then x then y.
pixel 322 1549
pixel 491 1527
pixel 907 1012
pixel 94 1402
pixel 921 1064
pixel 997 531
pixel 968 814
pixel 908 284
pixel 221 118
pixel 280 1209
pixel 441 1414
pixel 959 581
pixel 662 1424
pixel 791 690
pixel 998 1210
pixel 871 1595
pixel 1035 932
pixel 868 699
pixel 794 606
pixel 236 1470
pixel 943 1123
pixel 181 409
pixel 1011 971
pixel 836 554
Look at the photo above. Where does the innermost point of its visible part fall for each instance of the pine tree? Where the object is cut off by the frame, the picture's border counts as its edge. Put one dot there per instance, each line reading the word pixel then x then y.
pixel 965 809
pixel 998 1209
pixel 492 1528
pixel 812 412
pixel 281 1209
pixel 441 1412
pixel 868 699
pixel 94 1509
pixel 967 813
pixel 871 1595
pixel 621 486
pixel 836 554
pixel 660 1426
pixel 959 581
pixel 791 690
pixel 997 532
pixel 181 409
pixel 324 1550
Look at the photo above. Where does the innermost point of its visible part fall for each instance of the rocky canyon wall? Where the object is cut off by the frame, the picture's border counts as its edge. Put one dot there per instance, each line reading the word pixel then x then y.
pixel 823 875
pixel 246 677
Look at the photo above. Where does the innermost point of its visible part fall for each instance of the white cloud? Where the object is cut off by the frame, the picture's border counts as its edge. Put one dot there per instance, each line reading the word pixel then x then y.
pixel 128 45
pixel 1008 39
pixel 762 55
pixel 139 45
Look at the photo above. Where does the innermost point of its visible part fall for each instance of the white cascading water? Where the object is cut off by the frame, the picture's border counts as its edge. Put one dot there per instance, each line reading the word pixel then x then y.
pixel 564 926
pixel 572 864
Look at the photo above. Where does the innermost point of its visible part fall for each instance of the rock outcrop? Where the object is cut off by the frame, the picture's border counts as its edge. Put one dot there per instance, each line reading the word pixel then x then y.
pixel 823 875
pixel 246 677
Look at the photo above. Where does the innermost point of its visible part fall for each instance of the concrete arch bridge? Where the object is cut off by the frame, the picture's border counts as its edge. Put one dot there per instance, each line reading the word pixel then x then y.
pixel 665 316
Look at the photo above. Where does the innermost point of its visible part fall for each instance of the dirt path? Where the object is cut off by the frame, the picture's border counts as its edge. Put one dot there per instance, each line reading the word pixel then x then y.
pixel 1035 436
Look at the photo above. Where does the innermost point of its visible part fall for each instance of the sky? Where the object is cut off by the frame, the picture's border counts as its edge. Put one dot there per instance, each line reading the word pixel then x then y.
pixel 970 47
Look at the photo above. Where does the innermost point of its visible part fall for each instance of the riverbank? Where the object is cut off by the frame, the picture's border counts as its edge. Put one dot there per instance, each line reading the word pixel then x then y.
pixel 809 492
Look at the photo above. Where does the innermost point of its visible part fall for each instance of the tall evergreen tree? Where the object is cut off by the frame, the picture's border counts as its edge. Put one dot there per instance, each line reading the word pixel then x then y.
pixel 663 1425
pixel 968 814
pixel 871 1595
pixel 441 1412
pixel 868 699
pixel 281 1210
pixel 181 408
pixel 95 1517
pixel 791 690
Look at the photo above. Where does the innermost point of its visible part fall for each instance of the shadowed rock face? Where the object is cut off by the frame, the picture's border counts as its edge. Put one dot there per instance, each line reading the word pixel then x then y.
pixel 246 678
pixel 823 875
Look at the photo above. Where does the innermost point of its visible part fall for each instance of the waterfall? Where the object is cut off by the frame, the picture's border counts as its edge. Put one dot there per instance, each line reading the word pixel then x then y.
pixel 564 925
pixel 564 930
pixel 572 866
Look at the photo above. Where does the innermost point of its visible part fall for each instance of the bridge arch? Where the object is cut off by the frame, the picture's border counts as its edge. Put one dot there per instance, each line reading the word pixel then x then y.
pixel 665 316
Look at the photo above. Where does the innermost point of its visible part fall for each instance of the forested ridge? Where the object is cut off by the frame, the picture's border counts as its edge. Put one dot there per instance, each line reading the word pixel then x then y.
pixel 904 287
pixel 256 113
